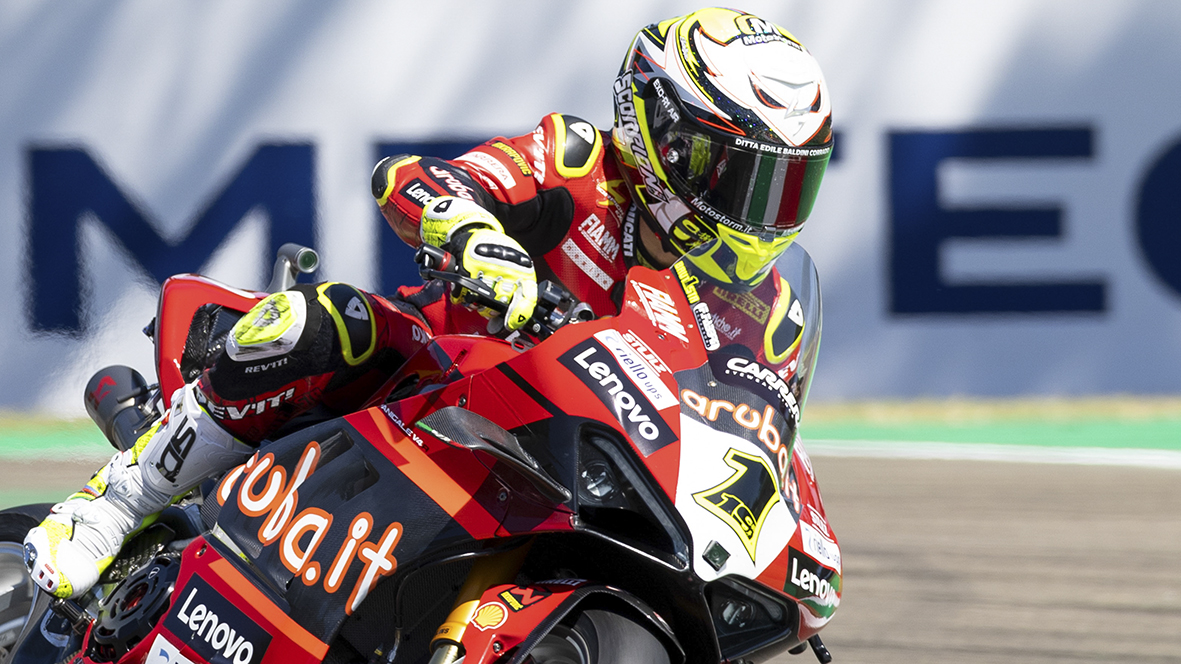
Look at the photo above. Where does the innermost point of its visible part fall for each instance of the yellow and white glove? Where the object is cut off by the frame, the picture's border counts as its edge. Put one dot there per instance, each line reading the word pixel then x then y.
pixel 484 251
pixel 447 216
pixel 501 262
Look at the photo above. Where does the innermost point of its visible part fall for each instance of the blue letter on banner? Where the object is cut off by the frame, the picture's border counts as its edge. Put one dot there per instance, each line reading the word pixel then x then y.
pixel 66 183
pixel 920 225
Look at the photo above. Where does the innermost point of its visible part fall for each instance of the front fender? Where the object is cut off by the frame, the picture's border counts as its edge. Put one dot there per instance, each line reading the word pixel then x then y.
pixel 517 617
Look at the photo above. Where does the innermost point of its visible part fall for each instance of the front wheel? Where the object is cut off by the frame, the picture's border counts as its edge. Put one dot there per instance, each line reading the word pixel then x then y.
pixel 599 637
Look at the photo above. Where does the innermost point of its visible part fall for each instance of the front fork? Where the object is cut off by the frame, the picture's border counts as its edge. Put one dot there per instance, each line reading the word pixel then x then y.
pixel 486 572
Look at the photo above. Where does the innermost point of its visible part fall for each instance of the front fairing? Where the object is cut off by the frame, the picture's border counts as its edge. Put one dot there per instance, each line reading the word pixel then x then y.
pixel 639 392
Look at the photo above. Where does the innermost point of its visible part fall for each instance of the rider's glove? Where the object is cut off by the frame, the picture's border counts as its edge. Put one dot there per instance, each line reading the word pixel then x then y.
pixel 447 216
pixel 501 262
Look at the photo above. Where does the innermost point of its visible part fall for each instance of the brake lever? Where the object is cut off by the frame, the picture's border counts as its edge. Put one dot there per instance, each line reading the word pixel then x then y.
pixel 556 306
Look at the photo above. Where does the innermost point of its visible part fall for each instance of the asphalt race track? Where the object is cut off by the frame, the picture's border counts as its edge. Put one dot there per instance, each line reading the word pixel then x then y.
pixel 961 561
pixel 972 562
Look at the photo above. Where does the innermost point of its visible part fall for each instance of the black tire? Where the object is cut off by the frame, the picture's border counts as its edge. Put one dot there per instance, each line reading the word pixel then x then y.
pixel 18 590
pixel 600 637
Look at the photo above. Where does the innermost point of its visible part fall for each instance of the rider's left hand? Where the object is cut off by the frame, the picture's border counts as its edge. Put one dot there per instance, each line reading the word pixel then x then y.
pixel 501 262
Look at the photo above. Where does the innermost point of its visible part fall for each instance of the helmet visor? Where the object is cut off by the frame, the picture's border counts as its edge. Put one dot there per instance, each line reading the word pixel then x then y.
pixel 764 187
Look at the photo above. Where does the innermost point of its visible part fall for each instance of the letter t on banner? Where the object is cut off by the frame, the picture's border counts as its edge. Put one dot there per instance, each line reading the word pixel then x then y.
pixel 919 225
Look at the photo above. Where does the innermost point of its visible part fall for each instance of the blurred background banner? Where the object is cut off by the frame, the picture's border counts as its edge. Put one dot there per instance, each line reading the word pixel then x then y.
pixel 1002 218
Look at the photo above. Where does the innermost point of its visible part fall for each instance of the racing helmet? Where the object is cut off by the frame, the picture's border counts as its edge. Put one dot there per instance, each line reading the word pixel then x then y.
pixel 723 130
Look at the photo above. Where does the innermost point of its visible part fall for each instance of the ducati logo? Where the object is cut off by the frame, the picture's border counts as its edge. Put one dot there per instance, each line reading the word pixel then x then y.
pixel 745 499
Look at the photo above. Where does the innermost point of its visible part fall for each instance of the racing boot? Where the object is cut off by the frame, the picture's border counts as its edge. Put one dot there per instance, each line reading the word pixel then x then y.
pixel 81 536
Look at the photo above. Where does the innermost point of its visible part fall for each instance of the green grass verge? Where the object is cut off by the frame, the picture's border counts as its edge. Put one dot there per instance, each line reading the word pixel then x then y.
pixel 1118 422
pixel 33 437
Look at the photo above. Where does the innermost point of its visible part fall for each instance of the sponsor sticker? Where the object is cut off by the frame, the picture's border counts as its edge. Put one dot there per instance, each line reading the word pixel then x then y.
pixel 489 615
pixel 597 368
pixel 643 374
pixel 515 156
pixel 523 597
pixel 163 652
pixel 595 232
pixel 646 352
pixel 660 309
pixel 815 585
pixel 490 165
pixel 271 493
pixel 448 180
pixel 750 375
pixel 816 544
pixel 705 325
pixel 213 627
pixel 584 263
pixel 745 499
pixel 419 192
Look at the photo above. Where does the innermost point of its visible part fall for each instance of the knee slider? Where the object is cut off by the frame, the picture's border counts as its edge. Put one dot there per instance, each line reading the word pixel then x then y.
pixel 271 328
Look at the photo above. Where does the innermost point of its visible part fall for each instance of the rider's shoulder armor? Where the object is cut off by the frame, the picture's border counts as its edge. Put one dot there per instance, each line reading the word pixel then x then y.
pixel 577 144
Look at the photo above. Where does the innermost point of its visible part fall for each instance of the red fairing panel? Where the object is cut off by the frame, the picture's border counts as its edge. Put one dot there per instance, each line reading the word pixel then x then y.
pixel 180 298
pixel 218 612
pixel 557 190
pixel 508 614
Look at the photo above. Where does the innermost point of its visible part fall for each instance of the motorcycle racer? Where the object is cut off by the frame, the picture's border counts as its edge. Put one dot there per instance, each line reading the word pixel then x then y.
pixel 721 137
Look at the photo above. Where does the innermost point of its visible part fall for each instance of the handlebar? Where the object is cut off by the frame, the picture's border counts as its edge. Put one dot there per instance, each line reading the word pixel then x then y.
pixel 556 306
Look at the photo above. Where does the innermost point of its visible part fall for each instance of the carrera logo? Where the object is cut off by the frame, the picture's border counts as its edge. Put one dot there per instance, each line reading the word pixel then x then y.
pixel 597 369
pixel 660 309
pixel 214 628
pixel 265 491
pixel 749 375
pixel 419 192
pixel 745 499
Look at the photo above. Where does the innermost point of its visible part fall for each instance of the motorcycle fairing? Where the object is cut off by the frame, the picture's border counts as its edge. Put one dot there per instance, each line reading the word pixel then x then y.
pixel 320 520
pixel 730 496
pixel 240 613
pixel 511 619
pixel 180 297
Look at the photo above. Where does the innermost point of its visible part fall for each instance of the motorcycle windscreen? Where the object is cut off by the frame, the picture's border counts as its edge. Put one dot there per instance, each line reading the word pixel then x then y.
pixel 797 268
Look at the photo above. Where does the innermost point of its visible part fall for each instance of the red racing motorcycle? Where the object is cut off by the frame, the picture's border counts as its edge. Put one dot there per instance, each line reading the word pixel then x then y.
pixel 588 491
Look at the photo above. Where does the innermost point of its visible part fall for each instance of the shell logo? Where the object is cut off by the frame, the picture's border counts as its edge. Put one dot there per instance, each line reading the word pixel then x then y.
pixel 489 616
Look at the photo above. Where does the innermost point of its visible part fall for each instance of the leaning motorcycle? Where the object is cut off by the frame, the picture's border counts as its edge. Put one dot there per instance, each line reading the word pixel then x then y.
pixel 586 491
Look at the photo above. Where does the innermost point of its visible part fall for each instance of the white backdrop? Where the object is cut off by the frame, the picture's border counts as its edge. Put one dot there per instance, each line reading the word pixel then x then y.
pixel 170 99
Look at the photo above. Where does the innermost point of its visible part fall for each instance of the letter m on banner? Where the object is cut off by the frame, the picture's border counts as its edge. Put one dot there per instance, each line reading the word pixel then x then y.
pixel 67 183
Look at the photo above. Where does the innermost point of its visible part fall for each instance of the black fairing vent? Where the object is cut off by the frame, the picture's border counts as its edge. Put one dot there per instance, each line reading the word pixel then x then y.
pixel 208 331
pixel 750 622
pixel 616 500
